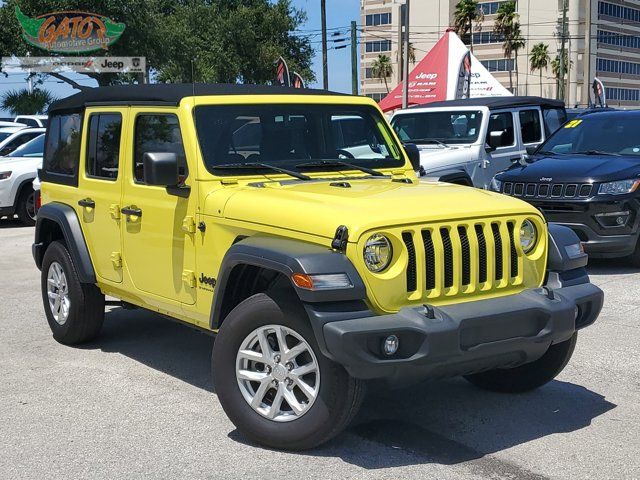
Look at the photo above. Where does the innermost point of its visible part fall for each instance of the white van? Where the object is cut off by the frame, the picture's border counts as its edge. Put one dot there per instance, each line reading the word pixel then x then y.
pixel 468 141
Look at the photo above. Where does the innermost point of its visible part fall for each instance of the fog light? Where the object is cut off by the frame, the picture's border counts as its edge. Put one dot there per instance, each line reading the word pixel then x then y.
pixel 390 345
pixel 613 219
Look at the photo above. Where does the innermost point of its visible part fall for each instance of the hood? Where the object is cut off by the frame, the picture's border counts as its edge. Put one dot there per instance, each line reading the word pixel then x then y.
pixel 434 156
pixel 574 168
pixel 318 208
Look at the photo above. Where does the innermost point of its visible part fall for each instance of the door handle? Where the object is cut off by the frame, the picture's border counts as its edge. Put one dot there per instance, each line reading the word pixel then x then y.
pixel 131 211
pixel 515 159
pixel 87 203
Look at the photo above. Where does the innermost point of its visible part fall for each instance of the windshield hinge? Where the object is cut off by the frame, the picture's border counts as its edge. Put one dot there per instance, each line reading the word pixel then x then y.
pixel 340 239
pixel 189 278
pixel 189 225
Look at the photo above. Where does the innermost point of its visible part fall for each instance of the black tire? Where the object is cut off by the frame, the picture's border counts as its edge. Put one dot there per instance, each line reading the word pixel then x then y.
pixel 339 396
pixel 529 376
pixel 86 302
pixel 26 205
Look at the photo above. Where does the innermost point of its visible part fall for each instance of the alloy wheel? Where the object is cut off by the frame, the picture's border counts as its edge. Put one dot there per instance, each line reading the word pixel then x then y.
pixel 58 293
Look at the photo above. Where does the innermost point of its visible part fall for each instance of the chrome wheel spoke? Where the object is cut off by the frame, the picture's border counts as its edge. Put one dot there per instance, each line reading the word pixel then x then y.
pixel 282 343
pixel 253 355
pixel 58 293
pixel 260 393
pixel 277 403
pixel 303 370
pixel 293 402
pixel 267 352
pixel 308 391
pixel 295 351
pixel 251 376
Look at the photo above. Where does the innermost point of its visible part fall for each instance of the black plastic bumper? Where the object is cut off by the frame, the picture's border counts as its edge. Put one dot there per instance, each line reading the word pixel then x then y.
pixel 460 339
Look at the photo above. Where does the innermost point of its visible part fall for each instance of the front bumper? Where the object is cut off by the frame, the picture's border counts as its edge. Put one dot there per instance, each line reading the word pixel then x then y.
pixel 461 339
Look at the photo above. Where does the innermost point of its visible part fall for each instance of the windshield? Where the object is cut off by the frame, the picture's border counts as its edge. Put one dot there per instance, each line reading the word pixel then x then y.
pixel 434 127
pixel 290 135
pixel 597 133
pixel 33 148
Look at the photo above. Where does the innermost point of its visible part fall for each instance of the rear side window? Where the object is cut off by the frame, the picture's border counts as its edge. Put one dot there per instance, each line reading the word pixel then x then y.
pixel 156 133
pixel 530 126
pixel 103 150
pixel 62 149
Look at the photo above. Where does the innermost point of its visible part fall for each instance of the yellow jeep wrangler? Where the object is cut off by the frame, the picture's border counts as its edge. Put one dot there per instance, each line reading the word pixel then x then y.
pixel 291 224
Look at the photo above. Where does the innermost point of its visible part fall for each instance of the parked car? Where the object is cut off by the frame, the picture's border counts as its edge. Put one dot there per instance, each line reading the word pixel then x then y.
pixel 12 137
pixel 579 112
pixel 32 120
pixel 587 177
pixel 232 208
pixel 11 123
pixel 17 172
pixel 468 141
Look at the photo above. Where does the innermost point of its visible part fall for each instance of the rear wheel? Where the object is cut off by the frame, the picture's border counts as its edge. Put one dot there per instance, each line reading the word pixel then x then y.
pixel 26 207
pixel 529 376
pixel 274 383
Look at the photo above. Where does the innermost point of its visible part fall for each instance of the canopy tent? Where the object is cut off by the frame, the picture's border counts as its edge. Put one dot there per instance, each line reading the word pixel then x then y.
pixel 439 74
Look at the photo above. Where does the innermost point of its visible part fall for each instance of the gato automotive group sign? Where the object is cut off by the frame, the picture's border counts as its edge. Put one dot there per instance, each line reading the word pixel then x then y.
pixel 69 32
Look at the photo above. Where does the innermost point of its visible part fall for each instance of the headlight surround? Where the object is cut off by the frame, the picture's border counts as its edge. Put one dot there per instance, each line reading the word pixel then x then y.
pixel 528 236
pixel 619 187
pixel 495 185
pixel 377 253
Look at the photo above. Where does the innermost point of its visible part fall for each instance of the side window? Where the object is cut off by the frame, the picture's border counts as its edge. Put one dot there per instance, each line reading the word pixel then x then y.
pixel 62 148
pixel 502 122
pixel 530 126
pixel 103 146
pixel 156 133
pixel 553 119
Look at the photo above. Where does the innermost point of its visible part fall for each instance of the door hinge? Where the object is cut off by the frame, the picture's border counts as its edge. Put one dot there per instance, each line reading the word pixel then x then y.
pixel 189 225
pixel 114 211
pixel 189 278
pixel 116 259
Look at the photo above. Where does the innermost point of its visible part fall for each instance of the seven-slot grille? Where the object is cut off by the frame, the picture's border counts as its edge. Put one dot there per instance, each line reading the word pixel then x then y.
pixel 465 258
pixel 547 190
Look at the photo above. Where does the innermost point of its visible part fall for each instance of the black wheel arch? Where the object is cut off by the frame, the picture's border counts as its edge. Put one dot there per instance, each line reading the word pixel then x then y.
pixel 58 221
pixel 20 190
pixel 455 176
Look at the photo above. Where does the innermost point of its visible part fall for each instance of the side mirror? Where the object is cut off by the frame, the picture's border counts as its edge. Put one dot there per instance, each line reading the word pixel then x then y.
pixel 494 139
pixel 414 155
pixel 531 150
pixel 160 169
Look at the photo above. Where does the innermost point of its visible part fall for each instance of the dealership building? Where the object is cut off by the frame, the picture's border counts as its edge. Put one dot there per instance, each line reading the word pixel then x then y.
pixel 603 40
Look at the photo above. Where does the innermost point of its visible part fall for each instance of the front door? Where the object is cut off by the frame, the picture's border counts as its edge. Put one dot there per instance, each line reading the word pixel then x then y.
pixel 99 190
pixel 507 152
pixel 158 226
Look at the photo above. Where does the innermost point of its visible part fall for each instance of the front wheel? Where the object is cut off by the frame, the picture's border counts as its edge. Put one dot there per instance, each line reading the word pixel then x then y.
pixel 26 207
pixel 274 383
pixel 530 375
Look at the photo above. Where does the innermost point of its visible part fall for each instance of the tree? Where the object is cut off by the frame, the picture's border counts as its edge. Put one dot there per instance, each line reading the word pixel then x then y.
pixel 24 102
pixel 201 40
pixel 555 68
pixel 539 59
pixel 507 27
pixel 382 69
pixel 467 13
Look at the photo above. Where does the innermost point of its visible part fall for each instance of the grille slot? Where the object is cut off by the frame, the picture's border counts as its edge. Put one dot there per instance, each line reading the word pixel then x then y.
pixel 585 190
pixel 412 277
pixel 556 190
pixel 466 255
pixel 482 254
pixel 498 244
pixel 429 260
pixel 518 189
pixel 448 257
pixel 531 189
pixel 508 188
pixel 543 190
pixel 570 190
pixel 514 252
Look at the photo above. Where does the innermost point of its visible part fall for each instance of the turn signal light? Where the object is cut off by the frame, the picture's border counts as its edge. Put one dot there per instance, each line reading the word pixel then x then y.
pixel 302 280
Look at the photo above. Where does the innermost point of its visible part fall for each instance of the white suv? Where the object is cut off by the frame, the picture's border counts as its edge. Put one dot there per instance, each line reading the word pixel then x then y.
pixel 13 137
pixel 17 173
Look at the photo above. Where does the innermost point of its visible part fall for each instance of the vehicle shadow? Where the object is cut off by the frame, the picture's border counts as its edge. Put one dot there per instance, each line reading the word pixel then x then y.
pixel 610 266
pixel 445 422
pixel 6 222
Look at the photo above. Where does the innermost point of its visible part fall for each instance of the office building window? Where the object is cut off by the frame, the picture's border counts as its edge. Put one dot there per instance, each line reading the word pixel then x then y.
pixel 499 65
pixel 618 39
pixel 486 37
pixel 618 11
pixel 378 46
pixel 489 8
pixel 624 94
pixel 376 96
pixel 617 66
pixel 375 19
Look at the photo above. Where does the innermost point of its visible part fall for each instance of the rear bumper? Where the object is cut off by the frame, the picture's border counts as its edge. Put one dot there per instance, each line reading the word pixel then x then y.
pixel 464 338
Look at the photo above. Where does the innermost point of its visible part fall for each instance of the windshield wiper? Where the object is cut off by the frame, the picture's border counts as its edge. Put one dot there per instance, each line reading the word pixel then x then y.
pixel 546 152
pixel 257 165
pixel 597 152
pixel 429 140
pixel 338 163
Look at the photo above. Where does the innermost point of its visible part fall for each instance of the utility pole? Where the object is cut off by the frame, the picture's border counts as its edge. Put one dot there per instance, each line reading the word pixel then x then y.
pixel 354 59
pixel 562 51
pixel 405 57
pixel 325 70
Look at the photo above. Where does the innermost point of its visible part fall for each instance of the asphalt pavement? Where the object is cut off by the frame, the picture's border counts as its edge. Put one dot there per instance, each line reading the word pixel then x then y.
pixel 139 403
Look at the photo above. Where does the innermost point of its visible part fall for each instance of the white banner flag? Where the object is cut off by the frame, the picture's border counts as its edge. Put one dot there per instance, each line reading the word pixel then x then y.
pixel 74 64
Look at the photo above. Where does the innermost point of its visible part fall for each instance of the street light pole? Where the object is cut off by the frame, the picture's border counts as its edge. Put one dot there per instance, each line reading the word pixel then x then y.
pixel 325 70
pixel 405 58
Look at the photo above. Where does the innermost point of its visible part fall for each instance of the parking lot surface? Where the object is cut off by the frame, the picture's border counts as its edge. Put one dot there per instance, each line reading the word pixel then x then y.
pixel 139 402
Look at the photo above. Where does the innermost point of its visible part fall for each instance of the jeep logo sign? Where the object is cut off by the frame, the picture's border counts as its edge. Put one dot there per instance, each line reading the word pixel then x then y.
pixel 426 76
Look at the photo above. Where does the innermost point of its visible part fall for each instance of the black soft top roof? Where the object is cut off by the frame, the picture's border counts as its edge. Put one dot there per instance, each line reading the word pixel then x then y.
pixel 169 94
pixel 494 103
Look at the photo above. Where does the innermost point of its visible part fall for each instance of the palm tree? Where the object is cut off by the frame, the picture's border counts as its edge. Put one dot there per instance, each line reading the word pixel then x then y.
pixel 539 59
pixel 508 27
pixel 382 69
pixel 24 102
pixel 467 12
pixel 412 53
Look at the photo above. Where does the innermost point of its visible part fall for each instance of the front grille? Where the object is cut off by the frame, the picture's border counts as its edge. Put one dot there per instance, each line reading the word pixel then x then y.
pixel 462 258
pixel 547 190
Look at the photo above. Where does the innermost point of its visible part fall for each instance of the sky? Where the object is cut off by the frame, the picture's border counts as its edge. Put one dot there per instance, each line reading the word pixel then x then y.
pixel 340 13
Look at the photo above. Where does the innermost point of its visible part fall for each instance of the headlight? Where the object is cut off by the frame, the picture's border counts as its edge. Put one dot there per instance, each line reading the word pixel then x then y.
pixel 496 185
pixel 4 175
pixel 528 236
pixel 377 252
pixel 619 188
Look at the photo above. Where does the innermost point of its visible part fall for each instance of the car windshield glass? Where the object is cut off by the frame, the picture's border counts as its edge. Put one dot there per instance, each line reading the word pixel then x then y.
pixel 597 134
pixel 4 135
pixel 293 136
pixel 32 148
pixel 434 127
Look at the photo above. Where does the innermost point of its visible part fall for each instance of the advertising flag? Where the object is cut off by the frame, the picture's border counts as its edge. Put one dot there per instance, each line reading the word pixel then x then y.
pixel 464 77
pixel 297 81
pixel 282 73
pixel 599 93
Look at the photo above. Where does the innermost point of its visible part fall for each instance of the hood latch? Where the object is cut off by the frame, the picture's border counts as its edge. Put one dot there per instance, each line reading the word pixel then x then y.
pixel 340 239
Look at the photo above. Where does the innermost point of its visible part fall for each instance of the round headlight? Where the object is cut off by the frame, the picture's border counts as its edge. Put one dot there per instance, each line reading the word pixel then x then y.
pixel 377 252
pixel 528 236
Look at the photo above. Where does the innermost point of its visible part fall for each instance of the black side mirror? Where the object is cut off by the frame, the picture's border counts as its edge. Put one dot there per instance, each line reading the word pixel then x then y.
pixel 160 169
pixel 532 149
pixel 494 139
pixel 414 155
